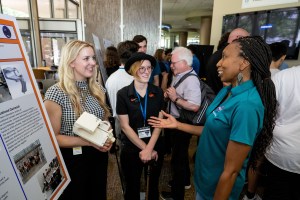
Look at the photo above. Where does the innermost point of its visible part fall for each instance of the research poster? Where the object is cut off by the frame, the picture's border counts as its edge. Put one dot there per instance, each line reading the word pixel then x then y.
pixel 99 57
pixel 31 165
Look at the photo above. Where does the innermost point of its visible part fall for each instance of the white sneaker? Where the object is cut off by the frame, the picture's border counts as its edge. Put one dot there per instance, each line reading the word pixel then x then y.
pixel 256 197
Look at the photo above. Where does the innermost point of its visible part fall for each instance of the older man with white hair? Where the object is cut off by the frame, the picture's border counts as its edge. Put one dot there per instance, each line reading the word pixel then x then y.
pixel 186 95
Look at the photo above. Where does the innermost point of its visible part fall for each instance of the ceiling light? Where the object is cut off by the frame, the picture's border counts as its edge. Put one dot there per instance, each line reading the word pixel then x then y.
pixel 166 26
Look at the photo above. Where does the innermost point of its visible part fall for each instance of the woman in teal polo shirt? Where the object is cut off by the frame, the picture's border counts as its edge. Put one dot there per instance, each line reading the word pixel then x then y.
pixel 241 117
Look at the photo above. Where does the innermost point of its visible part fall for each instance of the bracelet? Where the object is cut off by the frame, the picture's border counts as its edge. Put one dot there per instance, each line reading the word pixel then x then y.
pixel 177 98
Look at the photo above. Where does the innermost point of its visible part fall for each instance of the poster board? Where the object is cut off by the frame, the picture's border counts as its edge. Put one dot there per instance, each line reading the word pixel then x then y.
pixel 99 57
pixel 107 43
pixel 31 163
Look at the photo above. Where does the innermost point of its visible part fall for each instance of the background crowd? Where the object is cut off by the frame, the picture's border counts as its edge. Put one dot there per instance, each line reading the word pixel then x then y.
pixel 146 96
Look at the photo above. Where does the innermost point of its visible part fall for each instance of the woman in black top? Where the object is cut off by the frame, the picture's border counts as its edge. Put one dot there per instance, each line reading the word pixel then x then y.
pixel 140 142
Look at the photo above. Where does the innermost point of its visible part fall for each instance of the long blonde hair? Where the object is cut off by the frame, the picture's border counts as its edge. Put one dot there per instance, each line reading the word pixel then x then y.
pixel 67 80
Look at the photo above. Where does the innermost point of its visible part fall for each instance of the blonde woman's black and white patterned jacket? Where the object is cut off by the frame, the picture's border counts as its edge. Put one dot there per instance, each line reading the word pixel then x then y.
pixel 68 118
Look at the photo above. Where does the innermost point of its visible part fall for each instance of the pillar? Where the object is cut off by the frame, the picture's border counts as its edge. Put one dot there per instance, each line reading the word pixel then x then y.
pixel 183 38
pixel 172 40
pixel 37 51
pixel 205 29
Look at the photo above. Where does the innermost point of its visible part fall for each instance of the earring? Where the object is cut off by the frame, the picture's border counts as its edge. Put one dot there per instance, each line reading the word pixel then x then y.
pixel 239 78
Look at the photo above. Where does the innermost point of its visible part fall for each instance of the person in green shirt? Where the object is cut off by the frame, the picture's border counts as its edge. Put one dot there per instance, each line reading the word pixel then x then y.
pixel 239 121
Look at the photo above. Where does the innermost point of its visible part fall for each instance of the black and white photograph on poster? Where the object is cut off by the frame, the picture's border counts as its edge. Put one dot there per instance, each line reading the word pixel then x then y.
pixel 16 79
pixel 4 91
pixel 50 178
pixel 30 160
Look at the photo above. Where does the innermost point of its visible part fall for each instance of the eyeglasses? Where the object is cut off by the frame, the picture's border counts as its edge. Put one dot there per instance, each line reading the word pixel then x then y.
pixel 173 63
pixel 143 69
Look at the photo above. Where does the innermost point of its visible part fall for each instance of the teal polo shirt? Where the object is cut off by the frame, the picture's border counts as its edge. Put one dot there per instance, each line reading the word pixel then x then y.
pixel 239 118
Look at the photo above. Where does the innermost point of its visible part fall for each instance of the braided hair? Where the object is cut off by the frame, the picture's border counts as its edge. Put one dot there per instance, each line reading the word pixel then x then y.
pixel 259 55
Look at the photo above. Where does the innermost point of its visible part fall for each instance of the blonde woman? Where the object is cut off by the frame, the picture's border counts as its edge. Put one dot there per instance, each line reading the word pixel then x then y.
pixel 77 91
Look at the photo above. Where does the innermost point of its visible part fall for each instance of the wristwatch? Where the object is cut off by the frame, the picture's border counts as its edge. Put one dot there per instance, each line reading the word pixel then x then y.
pixel 177 98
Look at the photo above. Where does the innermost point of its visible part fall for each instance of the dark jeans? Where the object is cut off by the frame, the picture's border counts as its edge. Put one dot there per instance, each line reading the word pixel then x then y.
pixel 168 140
pixel 132 168
pixel 88 173
pixel 281 184
pixel 180 163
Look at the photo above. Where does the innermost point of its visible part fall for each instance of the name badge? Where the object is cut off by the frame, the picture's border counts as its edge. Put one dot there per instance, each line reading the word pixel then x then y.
pixel 144 132
pixel 77 151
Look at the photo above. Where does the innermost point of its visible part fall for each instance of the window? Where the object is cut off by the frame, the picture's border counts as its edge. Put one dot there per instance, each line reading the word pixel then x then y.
pixel 44 8
pixel 27 43
pixel 59 8
pixel 72 10
pixel 259 23
pixel 273 25
pixel 229 23
pixel 246 22
pixel 16 8
pixel 24 27
pixel 283 26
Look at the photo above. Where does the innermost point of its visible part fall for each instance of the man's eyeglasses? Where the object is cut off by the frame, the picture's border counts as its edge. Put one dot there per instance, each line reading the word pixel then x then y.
pixel 143 69
pixel 173 63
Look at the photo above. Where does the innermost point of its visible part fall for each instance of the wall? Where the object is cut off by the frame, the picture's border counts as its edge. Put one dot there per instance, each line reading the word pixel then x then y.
pixel 102 18
pixel 139 17
pixel 142 18
pixel 221 8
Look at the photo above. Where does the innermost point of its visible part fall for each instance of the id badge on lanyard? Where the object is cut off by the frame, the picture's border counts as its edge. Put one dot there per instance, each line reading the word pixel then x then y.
pixel 145 131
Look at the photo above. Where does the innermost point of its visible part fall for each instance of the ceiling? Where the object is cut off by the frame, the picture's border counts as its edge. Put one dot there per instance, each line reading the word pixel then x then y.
pixel 185 15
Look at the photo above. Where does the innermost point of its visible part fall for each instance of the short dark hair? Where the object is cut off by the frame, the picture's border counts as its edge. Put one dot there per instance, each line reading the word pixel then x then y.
pixel 112 57
pixel 139 38
pixel 126 49
pixel 278 49
pixel 168 51
pixel 223 41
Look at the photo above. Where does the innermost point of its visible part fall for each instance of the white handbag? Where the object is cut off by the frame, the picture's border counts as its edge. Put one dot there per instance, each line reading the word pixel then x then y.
pixel 93 129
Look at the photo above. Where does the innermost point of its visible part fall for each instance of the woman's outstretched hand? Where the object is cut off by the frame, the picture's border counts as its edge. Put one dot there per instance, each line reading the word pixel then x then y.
pixel 168 122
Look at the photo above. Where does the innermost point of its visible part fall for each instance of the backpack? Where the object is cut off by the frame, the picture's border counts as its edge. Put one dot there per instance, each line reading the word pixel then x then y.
pixel 207 96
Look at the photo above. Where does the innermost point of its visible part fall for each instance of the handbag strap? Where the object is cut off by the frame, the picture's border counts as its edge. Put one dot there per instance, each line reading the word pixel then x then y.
pixel 183 78
pixel 180 81
pixel 203 86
